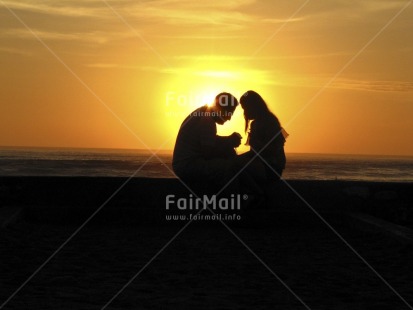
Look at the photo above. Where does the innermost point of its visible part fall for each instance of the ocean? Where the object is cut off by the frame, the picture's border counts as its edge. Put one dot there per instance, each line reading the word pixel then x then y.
pixel 140 163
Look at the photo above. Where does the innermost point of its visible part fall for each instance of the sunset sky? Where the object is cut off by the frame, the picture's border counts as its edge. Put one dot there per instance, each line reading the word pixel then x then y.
pixel 125 73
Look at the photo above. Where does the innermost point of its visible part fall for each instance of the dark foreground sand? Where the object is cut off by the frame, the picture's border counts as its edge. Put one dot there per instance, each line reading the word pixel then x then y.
pixel 206 266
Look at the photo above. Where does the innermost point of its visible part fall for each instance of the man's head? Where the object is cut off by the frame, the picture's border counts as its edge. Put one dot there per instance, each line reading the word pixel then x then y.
pixel 224 106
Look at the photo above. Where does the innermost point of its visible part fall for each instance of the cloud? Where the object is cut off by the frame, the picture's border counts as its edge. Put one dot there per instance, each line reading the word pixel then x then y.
pixel 14 51
pixel 281 20
pixel 264 76
pixel 61 8
pixel 226 15
pixel 99 37
pixel 267 77
pixel 336 12
pixel 233 13
pixel 346 84
pixel 200 5
pixel 112 66
pixel 190 13
pixel 376 86
pixel 167 11
pixel 232 58
pixel 191 36
pixel 210 58
pixel 350 84
pixel 383 5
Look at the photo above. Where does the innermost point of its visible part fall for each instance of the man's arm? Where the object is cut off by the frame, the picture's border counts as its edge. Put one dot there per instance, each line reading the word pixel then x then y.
pixel 231 141
pixel 213 145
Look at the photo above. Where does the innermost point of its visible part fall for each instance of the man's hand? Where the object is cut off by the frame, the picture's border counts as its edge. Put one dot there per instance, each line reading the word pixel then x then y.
pixel 235 139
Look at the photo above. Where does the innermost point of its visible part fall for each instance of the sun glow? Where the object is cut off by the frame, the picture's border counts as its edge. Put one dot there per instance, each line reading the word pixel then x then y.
pixel 197 84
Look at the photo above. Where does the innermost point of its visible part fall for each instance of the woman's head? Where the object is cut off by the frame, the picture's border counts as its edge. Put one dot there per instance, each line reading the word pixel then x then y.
pixel 254 107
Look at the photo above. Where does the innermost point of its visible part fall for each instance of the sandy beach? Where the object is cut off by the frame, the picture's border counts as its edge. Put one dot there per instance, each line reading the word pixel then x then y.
pixel 256 264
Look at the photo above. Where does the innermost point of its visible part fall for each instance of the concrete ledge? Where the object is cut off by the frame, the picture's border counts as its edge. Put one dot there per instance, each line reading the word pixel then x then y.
pixel 47 198
pixel 400 232
pixel 10 215
pixel 144 192
pixel 125 216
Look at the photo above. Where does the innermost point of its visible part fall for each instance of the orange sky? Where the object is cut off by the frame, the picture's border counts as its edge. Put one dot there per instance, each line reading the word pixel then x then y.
pixel 124 74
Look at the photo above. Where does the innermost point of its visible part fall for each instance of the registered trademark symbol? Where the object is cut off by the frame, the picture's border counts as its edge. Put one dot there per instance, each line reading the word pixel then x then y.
pixel 245 197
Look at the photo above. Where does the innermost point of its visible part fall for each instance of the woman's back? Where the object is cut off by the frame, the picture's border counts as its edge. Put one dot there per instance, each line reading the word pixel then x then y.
pixel 266 138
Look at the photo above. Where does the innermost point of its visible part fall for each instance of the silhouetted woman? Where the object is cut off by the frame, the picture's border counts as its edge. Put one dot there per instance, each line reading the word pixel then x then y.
pixel 266 137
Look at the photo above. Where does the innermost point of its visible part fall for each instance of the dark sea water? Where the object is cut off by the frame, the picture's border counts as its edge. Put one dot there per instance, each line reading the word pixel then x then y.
pixel 125 163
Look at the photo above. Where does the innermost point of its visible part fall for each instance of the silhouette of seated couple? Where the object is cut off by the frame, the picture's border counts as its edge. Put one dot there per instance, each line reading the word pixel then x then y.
pixel 200 155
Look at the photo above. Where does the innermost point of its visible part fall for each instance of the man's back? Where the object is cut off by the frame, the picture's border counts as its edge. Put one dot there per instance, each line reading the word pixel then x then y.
pixel 196 134
pixel 199 153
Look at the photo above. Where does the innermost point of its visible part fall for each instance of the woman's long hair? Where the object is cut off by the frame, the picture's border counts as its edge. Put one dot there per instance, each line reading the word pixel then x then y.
pixel 254 104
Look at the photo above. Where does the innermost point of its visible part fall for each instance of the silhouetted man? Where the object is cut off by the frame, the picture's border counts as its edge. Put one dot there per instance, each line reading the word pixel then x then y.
pixel 200 154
